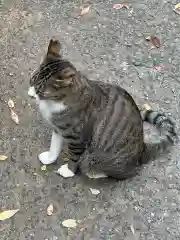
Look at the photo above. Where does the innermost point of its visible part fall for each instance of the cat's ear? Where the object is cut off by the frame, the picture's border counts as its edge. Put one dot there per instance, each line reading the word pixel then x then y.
pixel 67 76
pixel 54 47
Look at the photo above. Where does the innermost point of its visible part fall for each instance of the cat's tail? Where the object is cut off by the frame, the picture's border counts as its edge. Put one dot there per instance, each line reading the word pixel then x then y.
pixel 168 136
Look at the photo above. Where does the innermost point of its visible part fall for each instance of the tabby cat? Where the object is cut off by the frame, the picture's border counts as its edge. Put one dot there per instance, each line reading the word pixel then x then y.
pixel 101 121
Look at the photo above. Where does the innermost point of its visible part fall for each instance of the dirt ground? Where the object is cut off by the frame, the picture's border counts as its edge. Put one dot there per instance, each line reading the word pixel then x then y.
pixel 106 44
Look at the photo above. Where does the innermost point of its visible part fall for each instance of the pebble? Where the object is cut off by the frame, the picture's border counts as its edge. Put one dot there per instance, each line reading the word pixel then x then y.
pixel 128 44
pixel 145 94
pixel 137 63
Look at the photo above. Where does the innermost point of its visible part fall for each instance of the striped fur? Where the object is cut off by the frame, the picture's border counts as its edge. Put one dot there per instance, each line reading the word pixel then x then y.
pixel 102 123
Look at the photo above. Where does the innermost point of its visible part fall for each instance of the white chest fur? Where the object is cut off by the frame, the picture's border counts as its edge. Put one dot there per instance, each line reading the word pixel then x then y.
pixel 47 107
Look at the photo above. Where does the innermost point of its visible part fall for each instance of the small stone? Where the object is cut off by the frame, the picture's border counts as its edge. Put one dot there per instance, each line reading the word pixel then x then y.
pixel 145 94
pixel 11 74
pixel 54 238
pixel 128 44
pixel 94 191
pixel 43 168
pixel 137 63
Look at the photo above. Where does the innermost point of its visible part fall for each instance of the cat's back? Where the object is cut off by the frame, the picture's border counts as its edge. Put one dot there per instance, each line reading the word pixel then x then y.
pixel 119 121
pixel 112 94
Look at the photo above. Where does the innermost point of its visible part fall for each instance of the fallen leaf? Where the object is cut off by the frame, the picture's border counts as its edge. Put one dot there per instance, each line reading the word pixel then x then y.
pixel 50 210
pixel 152 47
pixel 120 6
pixel 155 41
pixel 132 229
pixel 176 11
pixel 85 10
pixel 43 168
pixel 146 107
pixel 14 117
pixel 94 191
pixel 177 6
pixel 10 103
pixel 131 11
pixel 82 229
pixel 69 223
pixel 3 157
pixel 159 68
pixel 7 214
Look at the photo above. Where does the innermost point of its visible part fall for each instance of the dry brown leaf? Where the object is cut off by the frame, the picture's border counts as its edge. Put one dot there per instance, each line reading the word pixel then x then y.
pixel 152 47
pixel 10 103
pixel 70 223
pixel 159 68
pixel 120 6
pixel 155 41
pixel 43 168
pixel 3 157
pixel 147 106
pixel 177 11
pixel 177 6
pixel 132 229
pixel 85 10
pixel 94 191
pixel 50 210
pixel 8 214
pixel 14 117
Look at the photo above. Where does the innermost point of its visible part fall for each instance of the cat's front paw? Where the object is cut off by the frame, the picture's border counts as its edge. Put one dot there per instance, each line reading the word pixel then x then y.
pixel 47 158
pixel 65 172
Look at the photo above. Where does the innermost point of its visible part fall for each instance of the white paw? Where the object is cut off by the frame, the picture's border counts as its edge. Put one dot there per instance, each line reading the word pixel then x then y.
pixel 47 158
pixel 65 172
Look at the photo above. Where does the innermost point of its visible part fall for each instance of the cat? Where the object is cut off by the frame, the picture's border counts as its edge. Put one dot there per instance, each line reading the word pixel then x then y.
pixel 100 121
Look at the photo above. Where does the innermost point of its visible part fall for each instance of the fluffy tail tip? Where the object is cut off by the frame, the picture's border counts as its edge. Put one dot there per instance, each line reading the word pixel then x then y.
pixel 162 122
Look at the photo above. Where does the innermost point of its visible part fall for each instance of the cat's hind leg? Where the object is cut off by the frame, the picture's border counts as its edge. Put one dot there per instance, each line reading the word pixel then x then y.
pixel 51 156
pixel 88 165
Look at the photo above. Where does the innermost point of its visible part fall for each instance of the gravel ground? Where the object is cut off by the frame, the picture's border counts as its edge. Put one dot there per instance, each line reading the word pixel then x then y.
pixel 106 44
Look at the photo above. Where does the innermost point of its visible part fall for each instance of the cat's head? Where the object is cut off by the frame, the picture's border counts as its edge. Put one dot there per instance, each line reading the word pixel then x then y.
pixel 54 75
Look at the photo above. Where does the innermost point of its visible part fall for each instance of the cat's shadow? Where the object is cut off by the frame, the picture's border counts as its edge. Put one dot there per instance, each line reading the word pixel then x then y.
pixel 92 183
